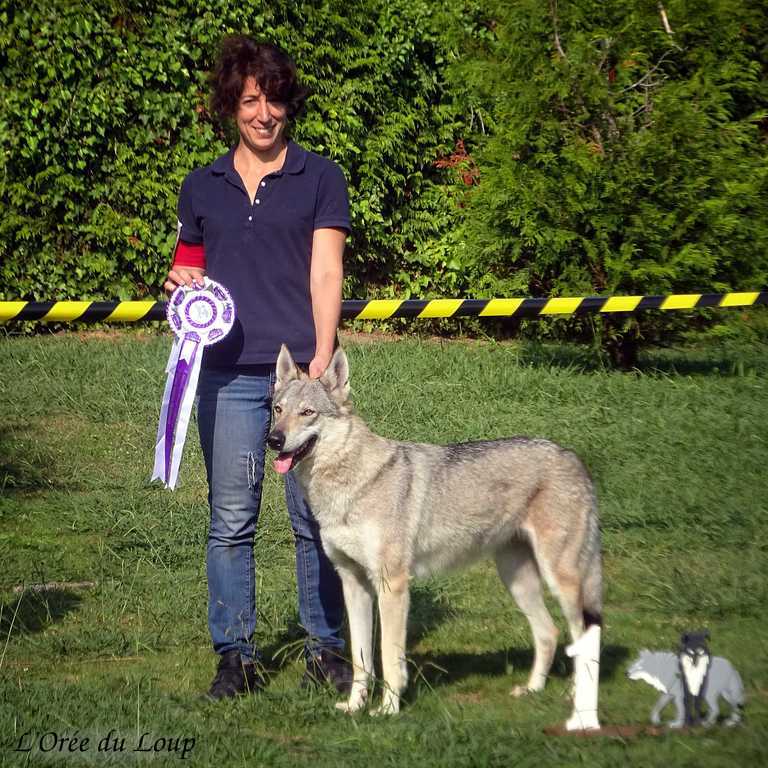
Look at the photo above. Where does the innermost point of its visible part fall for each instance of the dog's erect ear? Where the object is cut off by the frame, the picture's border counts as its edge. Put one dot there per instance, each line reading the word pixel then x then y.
pixel 336 376
pixel 286 369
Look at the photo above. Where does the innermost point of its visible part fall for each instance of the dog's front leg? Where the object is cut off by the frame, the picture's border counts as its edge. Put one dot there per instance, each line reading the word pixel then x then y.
pixel 358 599
pixel 664 699
pixel 393 594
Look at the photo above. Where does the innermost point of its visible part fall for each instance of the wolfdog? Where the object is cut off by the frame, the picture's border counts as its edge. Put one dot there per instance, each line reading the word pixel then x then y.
pixel 390 511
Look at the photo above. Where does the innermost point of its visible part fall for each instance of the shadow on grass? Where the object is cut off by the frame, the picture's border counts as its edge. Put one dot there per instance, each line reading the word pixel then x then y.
pixel 33 611
pixel 578 358
pixel 718 360
pixel 23 470
pixel 427 612
pixel 445 669
pixel 729 362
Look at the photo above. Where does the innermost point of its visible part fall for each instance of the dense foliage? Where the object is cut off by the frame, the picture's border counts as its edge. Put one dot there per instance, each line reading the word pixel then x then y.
pixel 103 110
pixel 493 147
pixel 621 154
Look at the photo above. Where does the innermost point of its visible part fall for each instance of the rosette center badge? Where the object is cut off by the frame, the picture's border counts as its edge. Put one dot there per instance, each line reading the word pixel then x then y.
pixel 204 315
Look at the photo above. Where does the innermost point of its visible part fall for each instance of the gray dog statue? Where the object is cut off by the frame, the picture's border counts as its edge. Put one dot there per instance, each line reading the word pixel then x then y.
pixel 666 672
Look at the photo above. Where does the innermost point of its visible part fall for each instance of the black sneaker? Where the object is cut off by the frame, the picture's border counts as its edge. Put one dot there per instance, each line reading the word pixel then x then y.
pixel 234 677
pixel 328 668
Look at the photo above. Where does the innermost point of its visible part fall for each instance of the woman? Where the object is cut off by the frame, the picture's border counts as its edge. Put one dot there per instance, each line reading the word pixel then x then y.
pixel 269 221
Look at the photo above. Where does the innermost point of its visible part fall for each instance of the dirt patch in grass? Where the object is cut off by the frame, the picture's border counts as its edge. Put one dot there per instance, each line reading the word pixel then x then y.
pixel 469 697
pixel 115 334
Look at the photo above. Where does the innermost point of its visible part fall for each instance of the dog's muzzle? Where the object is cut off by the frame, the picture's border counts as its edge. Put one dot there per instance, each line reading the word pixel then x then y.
pixel 287 460
pixel 276 440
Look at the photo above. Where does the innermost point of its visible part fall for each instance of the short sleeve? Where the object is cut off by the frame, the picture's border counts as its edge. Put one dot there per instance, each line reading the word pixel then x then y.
pixel 332 204
pixel 189 224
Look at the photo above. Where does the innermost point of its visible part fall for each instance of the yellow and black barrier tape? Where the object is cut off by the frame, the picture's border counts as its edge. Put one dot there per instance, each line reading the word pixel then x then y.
pixel 383 309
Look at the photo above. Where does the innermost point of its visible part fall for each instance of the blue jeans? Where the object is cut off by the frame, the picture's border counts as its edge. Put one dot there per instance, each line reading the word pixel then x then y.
pixel 233 413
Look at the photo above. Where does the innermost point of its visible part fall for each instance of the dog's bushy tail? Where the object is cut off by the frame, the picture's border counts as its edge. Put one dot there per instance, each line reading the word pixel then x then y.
pixel 592 585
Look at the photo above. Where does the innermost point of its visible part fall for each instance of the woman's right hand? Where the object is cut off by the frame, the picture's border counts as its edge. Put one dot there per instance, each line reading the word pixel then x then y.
pixel 180 275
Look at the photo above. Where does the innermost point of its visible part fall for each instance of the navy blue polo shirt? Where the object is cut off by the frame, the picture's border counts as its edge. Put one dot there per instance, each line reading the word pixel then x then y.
pixel 262 251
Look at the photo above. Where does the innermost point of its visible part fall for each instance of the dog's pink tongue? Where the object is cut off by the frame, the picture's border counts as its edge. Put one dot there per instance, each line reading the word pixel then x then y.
pixel 283 463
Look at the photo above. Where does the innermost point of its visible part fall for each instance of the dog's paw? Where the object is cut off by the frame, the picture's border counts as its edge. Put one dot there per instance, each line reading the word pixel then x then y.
pixel 350 707
pixel 521 690
pixel 390 705
pixel 384 710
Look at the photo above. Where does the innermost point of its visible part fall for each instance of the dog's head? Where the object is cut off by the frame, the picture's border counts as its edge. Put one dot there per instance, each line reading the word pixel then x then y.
pixel 639 666
pixel 302 407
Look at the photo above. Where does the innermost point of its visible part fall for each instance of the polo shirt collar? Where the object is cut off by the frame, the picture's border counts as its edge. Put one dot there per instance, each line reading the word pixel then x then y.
pixel 295 159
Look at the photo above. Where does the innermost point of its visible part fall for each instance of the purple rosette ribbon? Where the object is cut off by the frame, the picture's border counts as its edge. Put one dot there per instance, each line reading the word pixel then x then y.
pixel 199 315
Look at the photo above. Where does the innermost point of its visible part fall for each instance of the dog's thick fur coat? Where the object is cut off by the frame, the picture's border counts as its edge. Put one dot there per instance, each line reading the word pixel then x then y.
pixel 390 511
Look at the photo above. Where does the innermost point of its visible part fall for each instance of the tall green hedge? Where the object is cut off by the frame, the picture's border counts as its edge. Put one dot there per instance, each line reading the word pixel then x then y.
pixel 103 110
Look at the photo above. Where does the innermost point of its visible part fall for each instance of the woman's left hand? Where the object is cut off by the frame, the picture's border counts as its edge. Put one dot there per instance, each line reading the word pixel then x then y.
pixel 318 365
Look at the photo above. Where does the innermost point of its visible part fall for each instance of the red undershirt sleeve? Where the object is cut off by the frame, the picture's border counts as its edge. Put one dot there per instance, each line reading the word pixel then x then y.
pixel 189 255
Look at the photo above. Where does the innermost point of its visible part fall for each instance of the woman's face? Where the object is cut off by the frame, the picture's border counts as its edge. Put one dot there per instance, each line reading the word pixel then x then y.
pixel 261 122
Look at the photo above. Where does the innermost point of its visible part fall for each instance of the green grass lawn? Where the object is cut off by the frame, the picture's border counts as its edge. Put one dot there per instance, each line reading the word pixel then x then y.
pixel 678 452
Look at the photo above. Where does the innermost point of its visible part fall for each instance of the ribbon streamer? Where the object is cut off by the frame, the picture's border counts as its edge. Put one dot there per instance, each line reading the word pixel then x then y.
pixel 199 315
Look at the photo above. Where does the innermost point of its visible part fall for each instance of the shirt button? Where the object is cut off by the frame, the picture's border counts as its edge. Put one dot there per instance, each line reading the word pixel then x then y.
pixel 250 218
pixel 258 202
pixel 263 183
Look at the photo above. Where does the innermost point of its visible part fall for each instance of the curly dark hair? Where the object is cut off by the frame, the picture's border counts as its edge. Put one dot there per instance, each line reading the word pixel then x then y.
pixel 241 57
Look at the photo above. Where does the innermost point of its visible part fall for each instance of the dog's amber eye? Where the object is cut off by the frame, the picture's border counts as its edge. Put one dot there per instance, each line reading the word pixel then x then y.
pixel 307 412
pixel 278 410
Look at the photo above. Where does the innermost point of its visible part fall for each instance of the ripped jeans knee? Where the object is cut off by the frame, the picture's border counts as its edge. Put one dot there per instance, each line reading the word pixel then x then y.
pixel 252 471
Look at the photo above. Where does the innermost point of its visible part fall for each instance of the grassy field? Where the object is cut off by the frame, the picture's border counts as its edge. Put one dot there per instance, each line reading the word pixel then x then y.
pixel 678 452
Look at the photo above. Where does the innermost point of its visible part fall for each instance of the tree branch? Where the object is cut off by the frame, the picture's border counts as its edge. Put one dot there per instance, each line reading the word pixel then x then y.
pixel 664 19
pixel 647 75
pixel 558 46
